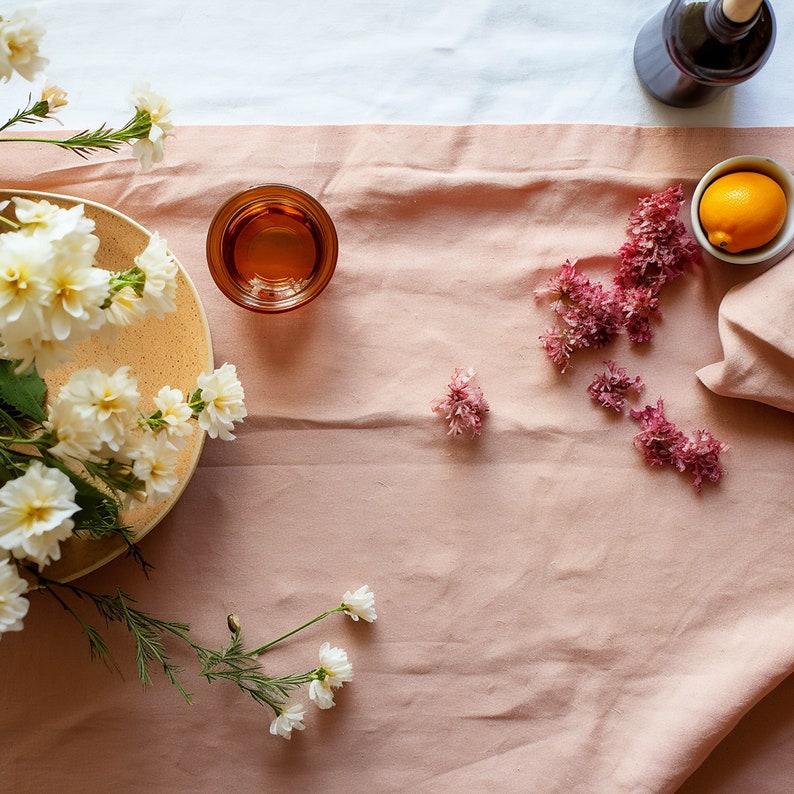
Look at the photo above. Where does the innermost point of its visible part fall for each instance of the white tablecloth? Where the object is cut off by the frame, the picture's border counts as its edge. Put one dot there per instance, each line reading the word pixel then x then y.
pixel 357 61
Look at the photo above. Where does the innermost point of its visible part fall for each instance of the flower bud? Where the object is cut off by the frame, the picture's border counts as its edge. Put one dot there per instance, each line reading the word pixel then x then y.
pixel 233 622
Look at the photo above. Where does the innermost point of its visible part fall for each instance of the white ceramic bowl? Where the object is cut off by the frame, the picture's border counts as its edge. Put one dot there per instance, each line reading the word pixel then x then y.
pixel 778 246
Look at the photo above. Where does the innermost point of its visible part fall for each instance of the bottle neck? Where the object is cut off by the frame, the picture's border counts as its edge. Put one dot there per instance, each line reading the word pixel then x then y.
pixel 731 20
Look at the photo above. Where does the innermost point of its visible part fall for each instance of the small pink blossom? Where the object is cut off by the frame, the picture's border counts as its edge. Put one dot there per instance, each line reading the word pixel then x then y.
pixel 662 442
pixel 658 249
pixel 659 439
pixel 587 314
pixel 610 387
pixel 700 454
pixel 463 405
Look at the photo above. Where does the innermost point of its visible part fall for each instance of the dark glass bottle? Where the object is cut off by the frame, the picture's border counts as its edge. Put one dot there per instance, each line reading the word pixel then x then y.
pixel 690 52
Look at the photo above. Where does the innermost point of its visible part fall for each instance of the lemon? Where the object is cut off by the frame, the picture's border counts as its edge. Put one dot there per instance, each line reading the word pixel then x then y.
pixel 742 210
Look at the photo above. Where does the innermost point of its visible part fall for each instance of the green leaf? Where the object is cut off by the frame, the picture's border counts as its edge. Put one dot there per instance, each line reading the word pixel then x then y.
pixel 99 511
pixel 24 393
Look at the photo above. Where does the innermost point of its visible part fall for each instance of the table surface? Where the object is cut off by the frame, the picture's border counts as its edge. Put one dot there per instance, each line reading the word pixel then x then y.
pixel 402 62
pixel 483 61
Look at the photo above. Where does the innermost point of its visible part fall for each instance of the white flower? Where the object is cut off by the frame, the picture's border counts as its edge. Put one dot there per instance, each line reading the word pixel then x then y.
pixel 47 354
pixel 322 694
pixel 222 395
pixel 335 665
pixel 150 150
pixel 155 459
pixel 160 269
pixel 74 430
pixel 334 671
pixel 35 215
pixel 77 292
pixel 126 307
pixel 288 720
pixel 19 45
pixel 109 401
pixel 360 604
pixel 12 606
pixel 55 97
pixel 23 286
pixel 175 413
pixel 69 228
pixel 35 513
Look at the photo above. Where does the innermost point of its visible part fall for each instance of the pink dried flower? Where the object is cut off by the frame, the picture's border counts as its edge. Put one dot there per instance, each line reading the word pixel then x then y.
pixel 659 439
pixel 587 314
pixel 639 305
pixel 568 287
pixel 559 344
pixel 610 387
pixel 463 405
pixel 662 442
pixel 658 249
pixel 700 454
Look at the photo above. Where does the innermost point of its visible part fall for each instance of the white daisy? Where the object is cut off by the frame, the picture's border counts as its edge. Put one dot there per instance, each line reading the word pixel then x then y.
pixel 35 513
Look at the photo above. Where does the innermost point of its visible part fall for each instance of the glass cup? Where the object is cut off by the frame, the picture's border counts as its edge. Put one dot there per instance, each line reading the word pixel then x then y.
pixel 272 248
pixel 776 248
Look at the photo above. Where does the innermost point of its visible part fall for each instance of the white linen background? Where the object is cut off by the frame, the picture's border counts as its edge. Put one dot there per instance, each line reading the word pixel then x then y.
pixel 371 61
pixel 359 61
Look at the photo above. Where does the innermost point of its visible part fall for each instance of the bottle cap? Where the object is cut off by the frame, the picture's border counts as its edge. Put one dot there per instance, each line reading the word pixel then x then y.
pixel 740 11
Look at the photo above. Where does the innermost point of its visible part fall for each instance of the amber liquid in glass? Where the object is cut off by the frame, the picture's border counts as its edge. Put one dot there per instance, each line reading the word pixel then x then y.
pixel 275 249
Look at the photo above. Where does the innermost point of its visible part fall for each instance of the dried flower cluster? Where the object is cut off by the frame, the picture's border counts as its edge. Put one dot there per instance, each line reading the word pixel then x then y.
pixel 659 439
pixel 662 442
pixel 609 388
pixel 145 132
pixel 464 405
pixel 658 249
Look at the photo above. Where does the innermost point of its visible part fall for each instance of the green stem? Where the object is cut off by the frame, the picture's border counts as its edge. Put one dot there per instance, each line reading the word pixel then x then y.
pixel 263 648
pixel 83 143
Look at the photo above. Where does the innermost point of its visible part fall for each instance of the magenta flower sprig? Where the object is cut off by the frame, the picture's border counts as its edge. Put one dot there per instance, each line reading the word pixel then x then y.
pixel 609 388
pixel 463 406
pixel 587 314
pixel 662 442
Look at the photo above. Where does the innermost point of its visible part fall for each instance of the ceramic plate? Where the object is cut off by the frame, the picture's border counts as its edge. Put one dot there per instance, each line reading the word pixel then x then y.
pixel 172 351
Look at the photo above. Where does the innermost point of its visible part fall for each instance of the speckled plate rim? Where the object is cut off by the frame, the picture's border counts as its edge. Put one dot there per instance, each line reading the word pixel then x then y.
pixel 198 437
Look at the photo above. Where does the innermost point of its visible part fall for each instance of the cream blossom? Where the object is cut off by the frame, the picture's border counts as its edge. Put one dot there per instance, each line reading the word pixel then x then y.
pixel 290 718
pixel 109 401
pixel 154 462
pixel 74 431
pixel 222 396
pixel 360 604
pixel 54 96
pixel 34 215
pixel 47 354
pixel 175 413
pixel 23 284
pixel 35 513
pixel 334 671
pixel 150 149
pixel 77 292
pixel 68 229
pixel 320 692
pixel 20 36
pixel 126 307
pixel 160 269
pixel 335 664
pixel 13 607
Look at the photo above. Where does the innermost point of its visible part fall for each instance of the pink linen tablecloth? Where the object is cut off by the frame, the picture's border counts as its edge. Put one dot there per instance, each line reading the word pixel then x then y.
pixel 553 614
